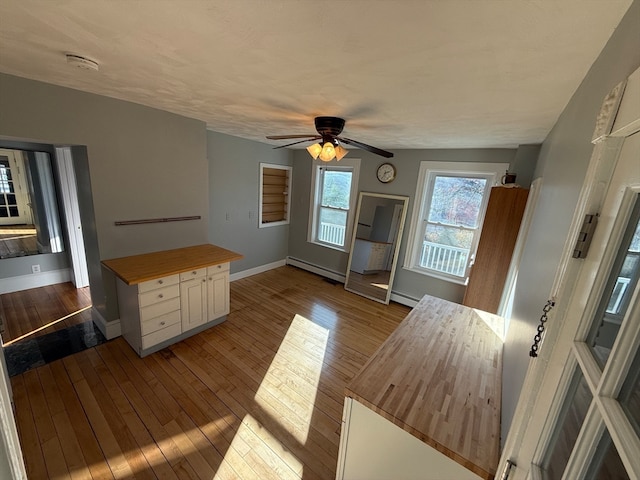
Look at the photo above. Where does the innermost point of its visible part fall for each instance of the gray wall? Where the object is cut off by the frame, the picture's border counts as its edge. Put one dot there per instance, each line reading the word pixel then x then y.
pixel 143 162
pixel 407 162
pixel 234 171
pixel 563 163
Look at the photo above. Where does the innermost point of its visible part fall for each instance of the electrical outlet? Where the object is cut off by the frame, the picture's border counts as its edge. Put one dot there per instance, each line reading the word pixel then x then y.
pixel 228 216
pixel 35 268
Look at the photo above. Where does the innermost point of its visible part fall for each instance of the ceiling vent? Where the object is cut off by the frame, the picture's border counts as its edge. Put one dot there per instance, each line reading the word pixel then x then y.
pixel 82 62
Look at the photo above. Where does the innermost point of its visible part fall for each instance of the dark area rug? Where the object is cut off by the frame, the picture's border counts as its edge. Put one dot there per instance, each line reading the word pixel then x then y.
pixel 35 352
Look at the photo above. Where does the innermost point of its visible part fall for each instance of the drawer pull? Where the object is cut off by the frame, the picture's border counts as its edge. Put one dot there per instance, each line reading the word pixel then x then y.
pixel 194 273
pixel 160 282
pixel 210 278
pixel 204 279
pixel 163 323
pixel 161 296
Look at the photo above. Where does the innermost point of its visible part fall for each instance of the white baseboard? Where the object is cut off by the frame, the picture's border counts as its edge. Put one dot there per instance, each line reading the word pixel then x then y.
pixel 34 280
pixel 254 271
pixel 110 330
pixel 402 300
pixel 324 272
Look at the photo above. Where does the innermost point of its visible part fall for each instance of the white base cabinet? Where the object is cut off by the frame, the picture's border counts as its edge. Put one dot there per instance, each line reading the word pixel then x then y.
pixel 159 312
pixel 374 448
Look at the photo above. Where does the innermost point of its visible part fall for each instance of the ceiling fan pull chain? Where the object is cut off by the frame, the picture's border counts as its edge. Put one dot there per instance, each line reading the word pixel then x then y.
pixel 538 337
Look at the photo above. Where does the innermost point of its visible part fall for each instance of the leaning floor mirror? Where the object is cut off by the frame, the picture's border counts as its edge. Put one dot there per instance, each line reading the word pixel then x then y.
pixel 375 245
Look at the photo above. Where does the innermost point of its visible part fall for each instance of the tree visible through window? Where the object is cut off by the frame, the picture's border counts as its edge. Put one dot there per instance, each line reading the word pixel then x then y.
pixel 332 204
pixel 452 223
pixel 446 225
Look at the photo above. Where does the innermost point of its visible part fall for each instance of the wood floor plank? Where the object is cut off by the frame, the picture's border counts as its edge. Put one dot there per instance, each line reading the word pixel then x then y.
pixel 26 311
pixel 91 452
pixel 258 396
pixel 105 435
pixel 32 451
pixel 126 441
pixel 143 439
pixel 111 354
pixel 41 415
pixel 54 459
pixel 71 449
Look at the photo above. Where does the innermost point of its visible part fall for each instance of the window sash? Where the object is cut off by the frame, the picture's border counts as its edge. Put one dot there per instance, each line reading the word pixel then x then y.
pixel 334 234
pixel 449 262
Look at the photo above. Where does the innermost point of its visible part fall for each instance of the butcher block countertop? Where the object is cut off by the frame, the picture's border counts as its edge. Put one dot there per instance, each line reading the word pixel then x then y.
pixel 439 376
pixel 149 266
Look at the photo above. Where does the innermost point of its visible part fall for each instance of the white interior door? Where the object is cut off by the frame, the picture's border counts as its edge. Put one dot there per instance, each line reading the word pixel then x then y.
pixel 71 211
pixel 579 412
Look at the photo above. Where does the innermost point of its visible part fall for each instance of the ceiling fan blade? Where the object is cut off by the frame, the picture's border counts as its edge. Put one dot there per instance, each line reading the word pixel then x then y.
pixel 295 143
pixel 366 147
pixel 285 137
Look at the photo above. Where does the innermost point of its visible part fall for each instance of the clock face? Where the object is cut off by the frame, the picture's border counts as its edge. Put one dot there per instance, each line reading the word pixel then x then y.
pixel 386 172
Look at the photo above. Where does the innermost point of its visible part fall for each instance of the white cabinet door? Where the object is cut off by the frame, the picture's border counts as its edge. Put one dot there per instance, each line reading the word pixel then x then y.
pixel 217 295
pixel 193 299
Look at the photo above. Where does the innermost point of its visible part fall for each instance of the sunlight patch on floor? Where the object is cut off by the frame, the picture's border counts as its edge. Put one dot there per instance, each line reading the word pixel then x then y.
pixel 383 286
pixel 288 390
pixel 18 231
pixel 255 453
pixel 50 324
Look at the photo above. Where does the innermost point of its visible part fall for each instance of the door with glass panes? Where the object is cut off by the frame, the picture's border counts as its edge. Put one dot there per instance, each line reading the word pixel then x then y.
pixel 583 418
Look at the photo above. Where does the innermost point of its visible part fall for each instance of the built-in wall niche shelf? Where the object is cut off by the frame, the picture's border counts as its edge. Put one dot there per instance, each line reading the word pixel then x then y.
pixel 275 201
pixel 156 220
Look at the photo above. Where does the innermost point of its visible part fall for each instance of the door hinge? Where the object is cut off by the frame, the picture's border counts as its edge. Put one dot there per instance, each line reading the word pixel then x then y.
pixel 507 470
pixel 585 236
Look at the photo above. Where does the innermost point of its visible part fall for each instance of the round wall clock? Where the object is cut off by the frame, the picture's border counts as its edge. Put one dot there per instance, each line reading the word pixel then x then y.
pixel 386 172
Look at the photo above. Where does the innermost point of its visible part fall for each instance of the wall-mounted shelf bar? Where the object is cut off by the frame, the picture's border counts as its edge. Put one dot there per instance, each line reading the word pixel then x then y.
pixel 157 220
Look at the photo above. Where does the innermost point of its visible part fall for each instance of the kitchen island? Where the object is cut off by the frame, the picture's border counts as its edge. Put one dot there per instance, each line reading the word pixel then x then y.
pixel 167 296
pixel 427 403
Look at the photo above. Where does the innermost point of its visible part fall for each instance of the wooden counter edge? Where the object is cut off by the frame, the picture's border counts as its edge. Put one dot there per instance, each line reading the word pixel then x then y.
pixel 481 472
pixel 230 256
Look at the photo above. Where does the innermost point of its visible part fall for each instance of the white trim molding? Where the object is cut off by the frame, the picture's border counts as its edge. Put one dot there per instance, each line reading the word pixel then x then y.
pixel 254 271
pixel 111 329
pixel 34 280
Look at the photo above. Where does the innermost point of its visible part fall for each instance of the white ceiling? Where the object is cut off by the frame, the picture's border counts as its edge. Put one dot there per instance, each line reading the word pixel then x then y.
pixel 403 73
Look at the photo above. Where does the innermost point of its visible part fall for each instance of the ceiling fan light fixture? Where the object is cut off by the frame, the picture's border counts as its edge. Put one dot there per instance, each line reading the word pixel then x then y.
pixel 340 152
pixel 328 152
pixel 314 150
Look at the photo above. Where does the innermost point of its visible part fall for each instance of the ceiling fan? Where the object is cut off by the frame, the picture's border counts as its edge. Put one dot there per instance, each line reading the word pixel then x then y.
pixel 329 129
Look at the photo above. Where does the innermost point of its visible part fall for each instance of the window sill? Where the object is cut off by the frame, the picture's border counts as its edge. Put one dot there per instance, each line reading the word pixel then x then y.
pixel 327 245
pixel 438 275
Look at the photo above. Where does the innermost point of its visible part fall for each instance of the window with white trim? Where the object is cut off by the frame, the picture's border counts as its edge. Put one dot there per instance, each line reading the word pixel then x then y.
pixel 333 197
pixel 451 200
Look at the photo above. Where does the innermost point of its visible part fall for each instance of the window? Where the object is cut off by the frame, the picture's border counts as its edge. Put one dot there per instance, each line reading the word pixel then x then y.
pixel 275 182
pixel 447 221
pixel 333 197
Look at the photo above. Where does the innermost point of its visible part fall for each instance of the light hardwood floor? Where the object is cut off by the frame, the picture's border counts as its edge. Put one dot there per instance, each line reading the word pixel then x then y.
pixel 257 397
pixel 25 313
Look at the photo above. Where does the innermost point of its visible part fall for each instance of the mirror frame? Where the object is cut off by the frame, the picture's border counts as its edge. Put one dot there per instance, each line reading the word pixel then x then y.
pixel 405 201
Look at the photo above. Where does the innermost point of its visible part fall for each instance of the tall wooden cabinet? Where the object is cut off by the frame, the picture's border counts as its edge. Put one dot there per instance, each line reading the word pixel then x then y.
pixel 497 242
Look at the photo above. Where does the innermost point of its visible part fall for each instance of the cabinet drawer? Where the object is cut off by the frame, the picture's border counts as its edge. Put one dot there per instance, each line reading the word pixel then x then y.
pixel 200 272
pixel 161 335
pixel 158 323
pixel 159 295
pixel 158 283
pixel 221 267
pixel 159 309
